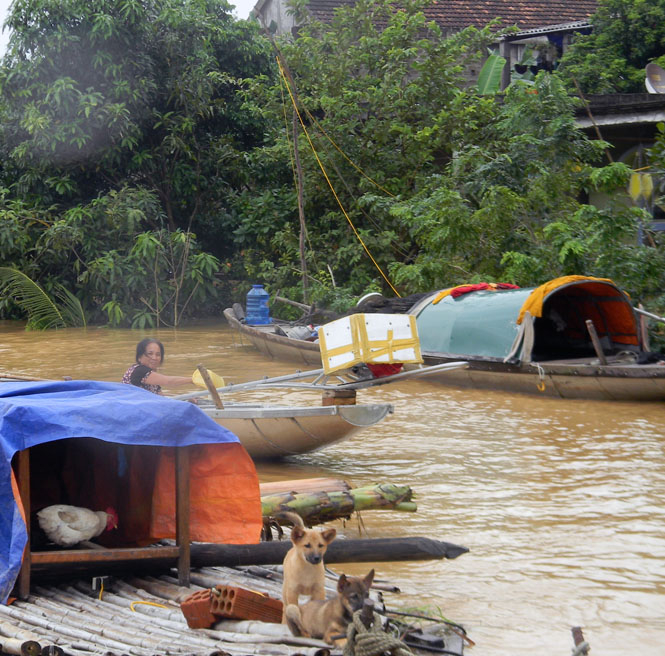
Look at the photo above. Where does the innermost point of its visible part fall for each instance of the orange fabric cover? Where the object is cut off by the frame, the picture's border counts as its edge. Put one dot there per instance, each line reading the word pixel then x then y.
pixel 139 482
pixel 225 503
pixel 598 299
pixel 534 302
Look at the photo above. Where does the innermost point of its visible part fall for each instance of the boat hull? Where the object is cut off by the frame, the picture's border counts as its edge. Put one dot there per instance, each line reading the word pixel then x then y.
pixel 275 346
pixel 568 380
pixel 269 432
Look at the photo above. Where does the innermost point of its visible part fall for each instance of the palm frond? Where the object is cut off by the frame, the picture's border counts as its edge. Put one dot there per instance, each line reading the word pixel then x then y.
pixel 29 296
pixel 70 307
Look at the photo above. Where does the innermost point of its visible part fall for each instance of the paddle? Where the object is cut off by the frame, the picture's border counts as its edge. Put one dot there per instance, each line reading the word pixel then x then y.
pixel 253 384
pixel 209 380
pixel 291 380
pixel 199 377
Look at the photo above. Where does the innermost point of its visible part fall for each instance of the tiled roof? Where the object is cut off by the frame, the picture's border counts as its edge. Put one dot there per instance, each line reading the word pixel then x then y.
pixel 458 14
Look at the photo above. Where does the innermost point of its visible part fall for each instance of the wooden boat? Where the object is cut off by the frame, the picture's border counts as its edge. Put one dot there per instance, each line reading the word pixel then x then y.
pixel 572 337
pixel 270 340
pixel 268 431
pixel 272 431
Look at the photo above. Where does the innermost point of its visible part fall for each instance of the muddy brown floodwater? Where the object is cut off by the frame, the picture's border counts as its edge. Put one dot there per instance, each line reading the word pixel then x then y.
pixel 561 503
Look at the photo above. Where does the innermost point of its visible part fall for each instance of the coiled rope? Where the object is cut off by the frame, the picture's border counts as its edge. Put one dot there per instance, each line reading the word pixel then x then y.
pixel 372 641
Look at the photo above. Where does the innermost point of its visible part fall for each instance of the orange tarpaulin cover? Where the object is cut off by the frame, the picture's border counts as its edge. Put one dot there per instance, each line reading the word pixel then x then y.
pixel 534 302
pixel 597 299
pixel 225 503
pixel 139 482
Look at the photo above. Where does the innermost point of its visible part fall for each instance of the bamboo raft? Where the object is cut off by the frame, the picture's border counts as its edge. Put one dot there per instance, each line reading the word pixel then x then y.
pixel 141 616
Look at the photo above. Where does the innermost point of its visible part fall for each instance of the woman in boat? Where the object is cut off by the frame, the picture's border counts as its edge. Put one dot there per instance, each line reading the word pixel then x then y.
pixel 149 357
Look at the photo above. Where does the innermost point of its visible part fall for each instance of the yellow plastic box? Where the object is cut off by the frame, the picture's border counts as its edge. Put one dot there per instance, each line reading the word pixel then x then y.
pixel 374 338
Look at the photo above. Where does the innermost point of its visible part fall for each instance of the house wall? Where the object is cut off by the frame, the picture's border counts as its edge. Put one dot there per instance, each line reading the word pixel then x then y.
pixel 273 12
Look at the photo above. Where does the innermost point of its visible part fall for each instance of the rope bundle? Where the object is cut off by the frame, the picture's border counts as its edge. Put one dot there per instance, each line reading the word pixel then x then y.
pixel 372 641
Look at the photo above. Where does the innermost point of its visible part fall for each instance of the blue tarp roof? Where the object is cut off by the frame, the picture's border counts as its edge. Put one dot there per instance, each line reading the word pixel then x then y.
pixel 38 412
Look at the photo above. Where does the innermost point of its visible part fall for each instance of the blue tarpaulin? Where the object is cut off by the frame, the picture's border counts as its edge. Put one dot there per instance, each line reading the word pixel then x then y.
pixel 38 412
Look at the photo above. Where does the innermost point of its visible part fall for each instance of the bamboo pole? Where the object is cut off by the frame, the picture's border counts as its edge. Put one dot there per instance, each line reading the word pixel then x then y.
pixel 301 204
pixel 651 315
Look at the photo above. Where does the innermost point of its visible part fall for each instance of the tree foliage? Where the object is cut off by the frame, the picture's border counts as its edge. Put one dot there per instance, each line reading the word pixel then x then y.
pixel 444 186
pixel 626 36
pixel 510 205
pixel 149 157
pixel 120 117
pixel 382 95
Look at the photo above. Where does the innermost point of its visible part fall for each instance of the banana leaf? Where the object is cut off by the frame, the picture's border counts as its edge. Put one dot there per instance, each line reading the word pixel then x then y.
pixel 489 80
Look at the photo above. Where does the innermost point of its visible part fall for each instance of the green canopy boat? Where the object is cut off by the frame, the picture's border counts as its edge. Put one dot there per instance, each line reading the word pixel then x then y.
pixel 573 337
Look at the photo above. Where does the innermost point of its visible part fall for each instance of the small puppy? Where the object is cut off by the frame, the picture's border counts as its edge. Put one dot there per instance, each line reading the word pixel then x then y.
pixel 303 564
pixel 325 619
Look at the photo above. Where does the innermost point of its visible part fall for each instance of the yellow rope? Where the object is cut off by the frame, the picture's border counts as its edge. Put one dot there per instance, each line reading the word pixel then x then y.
pixel 344 155
pixel 339 202
pixel 147 603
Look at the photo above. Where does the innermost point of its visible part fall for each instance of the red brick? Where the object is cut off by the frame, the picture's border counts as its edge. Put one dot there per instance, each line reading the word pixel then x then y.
pixel 241 604
pixel 196 609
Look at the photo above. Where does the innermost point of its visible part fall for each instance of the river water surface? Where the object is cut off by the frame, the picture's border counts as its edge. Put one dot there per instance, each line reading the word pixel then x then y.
pixel 561 503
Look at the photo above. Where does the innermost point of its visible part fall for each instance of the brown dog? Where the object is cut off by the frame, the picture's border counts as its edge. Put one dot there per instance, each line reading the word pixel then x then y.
pixel 325 619
pixel 303 564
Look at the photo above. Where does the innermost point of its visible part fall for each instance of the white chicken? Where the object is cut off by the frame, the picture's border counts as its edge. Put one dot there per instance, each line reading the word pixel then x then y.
pixel 69 525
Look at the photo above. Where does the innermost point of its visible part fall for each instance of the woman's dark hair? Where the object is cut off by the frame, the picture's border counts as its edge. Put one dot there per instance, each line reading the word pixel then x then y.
pixel 143 345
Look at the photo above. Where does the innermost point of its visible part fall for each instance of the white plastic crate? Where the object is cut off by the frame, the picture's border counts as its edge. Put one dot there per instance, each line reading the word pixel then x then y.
pixel 373 338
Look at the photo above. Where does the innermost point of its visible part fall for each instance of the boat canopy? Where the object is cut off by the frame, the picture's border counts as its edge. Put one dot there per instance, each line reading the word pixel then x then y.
pixel 535 324
pixel 98 444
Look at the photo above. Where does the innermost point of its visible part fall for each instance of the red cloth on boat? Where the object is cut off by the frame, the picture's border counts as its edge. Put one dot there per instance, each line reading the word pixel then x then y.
pixel 460 290
pixel 381 370
pixel 465 289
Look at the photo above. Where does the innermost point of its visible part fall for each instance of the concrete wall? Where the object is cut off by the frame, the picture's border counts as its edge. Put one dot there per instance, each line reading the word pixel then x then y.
pixel 274 11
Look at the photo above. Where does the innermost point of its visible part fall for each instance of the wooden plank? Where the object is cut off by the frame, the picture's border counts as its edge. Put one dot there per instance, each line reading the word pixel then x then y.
pixel 88 562
pixel 304 485
pixel 182 514
pixel 23 481
pixel 103 555
pixel 644 330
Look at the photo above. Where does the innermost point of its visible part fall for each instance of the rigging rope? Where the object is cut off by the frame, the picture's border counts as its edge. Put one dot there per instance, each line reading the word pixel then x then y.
pixel 374 641
pixel 344 155
pixel 325 175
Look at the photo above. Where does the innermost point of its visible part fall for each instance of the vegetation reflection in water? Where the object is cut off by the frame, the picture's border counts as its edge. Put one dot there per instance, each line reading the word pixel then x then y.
pixel 560 502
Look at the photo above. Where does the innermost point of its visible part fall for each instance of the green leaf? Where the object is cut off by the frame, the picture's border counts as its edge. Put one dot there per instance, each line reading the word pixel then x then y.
pixel 489 80
pixel 41 310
